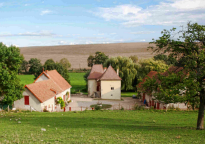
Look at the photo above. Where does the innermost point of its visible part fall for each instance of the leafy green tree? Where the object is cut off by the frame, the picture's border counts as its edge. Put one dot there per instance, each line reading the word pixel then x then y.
pixel 65 63
pixel 134 58
pixel 85 78
pixel 168 60
pixel 190 46
pixel 36 67
pixel 90 61
pixel 49 64
pixel 126 68
pixel 62 71
pixel 10 61
pixel 99 58
pixel 24 67
pixel 147 65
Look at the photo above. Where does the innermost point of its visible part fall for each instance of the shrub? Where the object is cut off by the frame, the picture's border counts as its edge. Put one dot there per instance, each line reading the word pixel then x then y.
pixel 60 101
pixel 45 110
pixel 97 107
pixel 122 108
pixel 178 109
pixel 137 107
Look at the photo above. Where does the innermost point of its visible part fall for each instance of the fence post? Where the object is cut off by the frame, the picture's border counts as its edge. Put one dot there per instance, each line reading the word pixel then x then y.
pixel 8 108
pixel 30 109
pixel 81 108
pixel 64 109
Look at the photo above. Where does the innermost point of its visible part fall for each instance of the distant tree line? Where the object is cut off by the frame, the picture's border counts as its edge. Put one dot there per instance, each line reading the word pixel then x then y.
pixel 35 67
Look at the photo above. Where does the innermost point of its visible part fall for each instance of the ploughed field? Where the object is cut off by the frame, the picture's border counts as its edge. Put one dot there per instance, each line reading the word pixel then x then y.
pixel 78 54
pixel 139 126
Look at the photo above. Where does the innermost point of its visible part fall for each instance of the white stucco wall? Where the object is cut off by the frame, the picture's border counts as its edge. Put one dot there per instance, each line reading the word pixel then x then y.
pixel 92 87
pixel 50 103
pixel 107 93
pixel 41 78
pixel 33 102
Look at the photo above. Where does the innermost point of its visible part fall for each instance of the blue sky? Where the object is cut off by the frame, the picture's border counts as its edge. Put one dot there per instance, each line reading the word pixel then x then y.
pixel 68 22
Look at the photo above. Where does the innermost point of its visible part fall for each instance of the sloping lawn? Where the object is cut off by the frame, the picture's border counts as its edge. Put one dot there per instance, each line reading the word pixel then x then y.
pixel 26 79
pixel 101 127
pixel 77 81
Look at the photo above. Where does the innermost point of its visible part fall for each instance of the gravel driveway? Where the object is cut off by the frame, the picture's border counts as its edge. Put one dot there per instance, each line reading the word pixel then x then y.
pixel 83 102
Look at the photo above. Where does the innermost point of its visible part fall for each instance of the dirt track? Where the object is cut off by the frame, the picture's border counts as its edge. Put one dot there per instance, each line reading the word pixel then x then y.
pixel 78 54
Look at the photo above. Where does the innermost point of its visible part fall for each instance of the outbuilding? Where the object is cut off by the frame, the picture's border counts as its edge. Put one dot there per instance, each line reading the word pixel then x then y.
pixel 104 83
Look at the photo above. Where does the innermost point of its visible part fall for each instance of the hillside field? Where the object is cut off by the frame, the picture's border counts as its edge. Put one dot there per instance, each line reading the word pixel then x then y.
pixel 78 54
pixel 137 126
pixel 77 82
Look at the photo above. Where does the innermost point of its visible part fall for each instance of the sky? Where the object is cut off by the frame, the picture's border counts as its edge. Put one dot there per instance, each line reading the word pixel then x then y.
pixel 70 22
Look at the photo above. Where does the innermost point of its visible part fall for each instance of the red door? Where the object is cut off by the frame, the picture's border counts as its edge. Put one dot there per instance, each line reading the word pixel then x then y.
pixel 143 97
pixel 152 102
pixel 26 100
pixel 158 105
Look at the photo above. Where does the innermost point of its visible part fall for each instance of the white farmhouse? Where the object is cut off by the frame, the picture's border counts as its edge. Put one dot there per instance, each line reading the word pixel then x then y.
pixel 42 93
pixel 104 83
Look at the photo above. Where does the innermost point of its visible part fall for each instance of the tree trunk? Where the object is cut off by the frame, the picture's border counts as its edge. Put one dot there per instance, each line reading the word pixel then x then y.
pixel 200 121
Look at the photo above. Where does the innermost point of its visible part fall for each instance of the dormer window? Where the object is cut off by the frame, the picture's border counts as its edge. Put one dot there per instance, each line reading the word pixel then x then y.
pixel 112 88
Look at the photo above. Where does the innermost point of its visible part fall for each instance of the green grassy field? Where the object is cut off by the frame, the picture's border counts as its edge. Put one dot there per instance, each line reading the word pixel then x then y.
pixel 101 127
pixel 26 79
pixel 77 82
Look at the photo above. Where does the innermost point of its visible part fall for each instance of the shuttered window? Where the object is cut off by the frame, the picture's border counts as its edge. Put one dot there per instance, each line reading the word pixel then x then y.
pixel 26 100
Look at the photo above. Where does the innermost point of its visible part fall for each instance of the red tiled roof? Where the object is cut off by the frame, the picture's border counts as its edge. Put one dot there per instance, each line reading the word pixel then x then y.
pixel 172 69
pixel 58 79
pixel 110 74
pixel 47 89
pixel 43 90
pixel 150 75
pixel 96 71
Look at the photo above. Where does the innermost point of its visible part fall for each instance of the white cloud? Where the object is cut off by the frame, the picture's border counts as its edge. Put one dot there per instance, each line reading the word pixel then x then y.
pixel 72 43
pixel 143 40
pixel 143 32
pixel 170 12
pixel 62 42
pixel 42 33
pixel 44 12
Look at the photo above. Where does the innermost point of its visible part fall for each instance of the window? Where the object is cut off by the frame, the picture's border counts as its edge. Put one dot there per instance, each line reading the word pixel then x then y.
pixel 26 100
pixel 112 88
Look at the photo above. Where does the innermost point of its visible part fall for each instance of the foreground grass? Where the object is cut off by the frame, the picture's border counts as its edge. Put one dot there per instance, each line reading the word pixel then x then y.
pixel 101 127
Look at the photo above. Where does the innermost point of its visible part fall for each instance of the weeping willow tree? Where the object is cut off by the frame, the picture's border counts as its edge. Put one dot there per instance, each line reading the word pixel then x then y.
pixel 127 70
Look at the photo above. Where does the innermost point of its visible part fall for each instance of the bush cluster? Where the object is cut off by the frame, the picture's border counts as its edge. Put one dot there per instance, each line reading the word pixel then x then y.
pixel 60 101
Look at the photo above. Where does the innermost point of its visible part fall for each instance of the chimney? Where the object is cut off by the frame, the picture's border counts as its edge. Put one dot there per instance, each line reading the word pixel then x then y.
pixel 43 69
pixel 118 72
pixel 105 69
